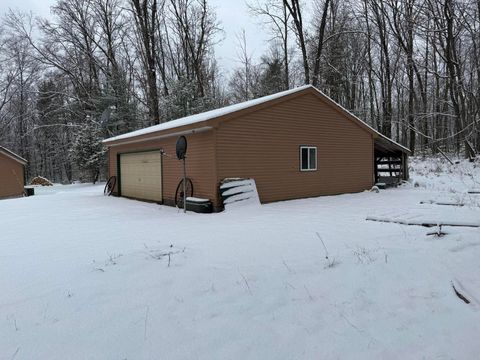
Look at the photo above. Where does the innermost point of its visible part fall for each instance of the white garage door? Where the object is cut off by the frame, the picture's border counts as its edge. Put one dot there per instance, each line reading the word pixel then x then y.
pixel 141 175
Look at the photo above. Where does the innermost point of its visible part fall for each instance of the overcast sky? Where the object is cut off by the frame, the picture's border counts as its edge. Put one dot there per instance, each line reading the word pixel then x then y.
pixel 232 14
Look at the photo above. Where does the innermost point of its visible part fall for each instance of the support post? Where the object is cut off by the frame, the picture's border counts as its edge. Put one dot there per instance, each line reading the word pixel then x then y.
pixel 405 173
pixel 184 186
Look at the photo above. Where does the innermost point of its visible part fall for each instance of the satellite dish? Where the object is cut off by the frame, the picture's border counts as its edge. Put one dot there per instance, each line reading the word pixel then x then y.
pixel 181 147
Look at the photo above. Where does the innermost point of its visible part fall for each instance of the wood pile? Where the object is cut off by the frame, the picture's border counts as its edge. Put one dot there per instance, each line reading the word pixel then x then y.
pixel 39 180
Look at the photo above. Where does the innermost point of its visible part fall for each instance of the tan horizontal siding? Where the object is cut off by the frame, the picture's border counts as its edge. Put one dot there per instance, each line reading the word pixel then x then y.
pixel 11 177
pixel 200 163
pixel 265 145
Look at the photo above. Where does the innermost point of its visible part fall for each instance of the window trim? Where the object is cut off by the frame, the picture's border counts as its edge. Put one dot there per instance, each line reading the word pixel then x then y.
pixel 308 147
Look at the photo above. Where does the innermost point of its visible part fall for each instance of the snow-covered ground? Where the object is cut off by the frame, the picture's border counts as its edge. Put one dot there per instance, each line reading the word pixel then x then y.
pixel 83 276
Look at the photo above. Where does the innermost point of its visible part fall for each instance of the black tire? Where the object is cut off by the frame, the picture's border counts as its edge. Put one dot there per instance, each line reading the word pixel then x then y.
pixel 109 186
pixel 179 192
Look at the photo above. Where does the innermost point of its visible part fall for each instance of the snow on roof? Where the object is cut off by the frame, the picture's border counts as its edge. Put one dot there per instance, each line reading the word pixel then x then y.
pixel 11 154
pixel 192 119
pixel 208 115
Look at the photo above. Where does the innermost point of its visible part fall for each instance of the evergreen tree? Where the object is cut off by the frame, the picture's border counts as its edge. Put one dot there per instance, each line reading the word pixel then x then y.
pixel 272 77
pixel 88 152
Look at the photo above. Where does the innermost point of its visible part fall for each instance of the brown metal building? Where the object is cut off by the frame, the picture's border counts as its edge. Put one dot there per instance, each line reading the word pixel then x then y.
pixel 295 144
pixel 12 174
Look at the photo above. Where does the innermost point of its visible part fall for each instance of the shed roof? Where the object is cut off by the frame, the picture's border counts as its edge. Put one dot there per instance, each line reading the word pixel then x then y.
pixel 193 120
pixel 12 155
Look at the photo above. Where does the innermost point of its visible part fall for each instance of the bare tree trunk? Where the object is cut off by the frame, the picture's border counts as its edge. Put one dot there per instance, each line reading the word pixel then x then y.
pixel 295 11
pixel 453 66
pixel 321 34
pixel 285 46
pixel 386 76
pixel 145 14
pixel 410 74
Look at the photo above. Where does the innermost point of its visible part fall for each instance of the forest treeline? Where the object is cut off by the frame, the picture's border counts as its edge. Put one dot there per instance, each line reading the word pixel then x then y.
pixel 97 68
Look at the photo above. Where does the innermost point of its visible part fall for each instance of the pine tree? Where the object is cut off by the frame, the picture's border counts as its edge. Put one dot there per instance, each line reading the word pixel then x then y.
pixel 88 152
pixel 271 79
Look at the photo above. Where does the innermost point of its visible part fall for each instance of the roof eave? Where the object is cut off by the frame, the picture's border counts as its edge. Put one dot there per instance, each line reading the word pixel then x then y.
pixel 157 135
pixel 282 96
pixel 393 144
pixel 122 139
pixel 12 155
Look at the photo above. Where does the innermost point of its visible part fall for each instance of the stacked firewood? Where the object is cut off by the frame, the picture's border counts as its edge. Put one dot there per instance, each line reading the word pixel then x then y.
pixel 40 180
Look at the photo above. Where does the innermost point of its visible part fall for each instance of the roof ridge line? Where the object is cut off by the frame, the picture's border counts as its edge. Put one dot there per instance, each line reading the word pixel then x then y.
pixel 208 115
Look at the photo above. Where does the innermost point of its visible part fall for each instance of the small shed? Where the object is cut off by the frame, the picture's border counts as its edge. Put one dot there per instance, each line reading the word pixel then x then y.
pixel 295 144
pixel 12 174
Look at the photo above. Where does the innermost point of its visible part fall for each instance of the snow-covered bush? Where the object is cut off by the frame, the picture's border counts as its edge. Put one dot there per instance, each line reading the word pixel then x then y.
pixel 437 173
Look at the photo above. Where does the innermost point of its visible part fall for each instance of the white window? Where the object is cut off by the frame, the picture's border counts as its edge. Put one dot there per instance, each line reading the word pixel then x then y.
pixel 308 158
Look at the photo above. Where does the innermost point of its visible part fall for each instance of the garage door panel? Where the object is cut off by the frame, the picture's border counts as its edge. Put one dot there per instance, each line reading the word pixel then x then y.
pixel 141 175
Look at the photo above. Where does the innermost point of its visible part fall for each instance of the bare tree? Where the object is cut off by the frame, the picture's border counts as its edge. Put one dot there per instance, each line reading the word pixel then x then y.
pixel 277 17
pixel 145 16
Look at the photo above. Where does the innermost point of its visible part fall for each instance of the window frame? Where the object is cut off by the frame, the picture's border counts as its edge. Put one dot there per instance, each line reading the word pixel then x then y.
pixel 308 147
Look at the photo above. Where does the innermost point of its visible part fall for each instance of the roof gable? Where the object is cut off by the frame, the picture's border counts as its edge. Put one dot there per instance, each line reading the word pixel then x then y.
pixel 358 121
pixel 12 155
pixel 205 118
